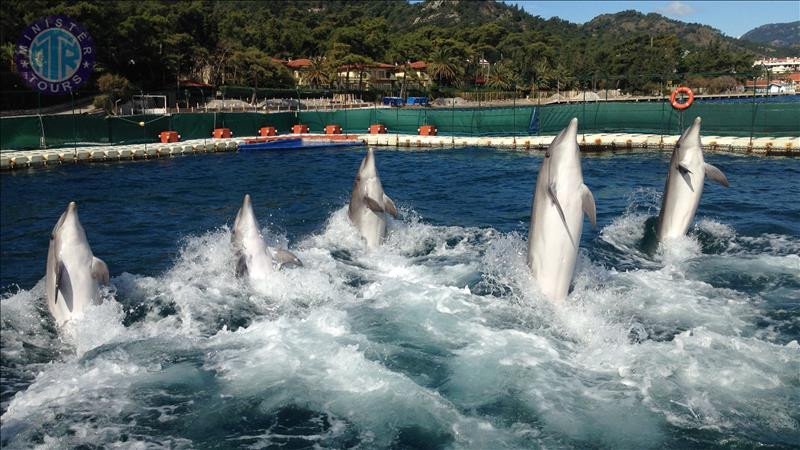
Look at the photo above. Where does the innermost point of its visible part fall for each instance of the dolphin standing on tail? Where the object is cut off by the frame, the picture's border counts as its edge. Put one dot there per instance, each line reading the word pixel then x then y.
pixel 559 202
pixel 369 204
pixel 684 185
pixel 253 257
pixel 74 274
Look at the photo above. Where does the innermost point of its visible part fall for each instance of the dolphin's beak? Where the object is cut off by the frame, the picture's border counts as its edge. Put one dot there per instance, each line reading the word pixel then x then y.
pixel 72 208
pixel 246 202
pixel 567 136
pixel 571 132
pixel 369 160
pixel 693 132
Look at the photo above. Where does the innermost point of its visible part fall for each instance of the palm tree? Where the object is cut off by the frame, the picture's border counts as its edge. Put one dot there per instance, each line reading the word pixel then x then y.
pixel 560 73
pixel 359 63
pixel 442 65
pixel 501 77
pixel 542 75
pixel 409 74
pixel 318 73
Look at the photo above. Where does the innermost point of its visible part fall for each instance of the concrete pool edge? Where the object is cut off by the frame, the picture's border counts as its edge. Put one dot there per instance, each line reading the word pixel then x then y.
pixel 594 142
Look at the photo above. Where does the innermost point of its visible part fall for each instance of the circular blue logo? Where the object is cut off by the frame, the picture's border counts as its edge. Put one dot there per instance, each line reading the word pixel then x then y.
pixel 55 55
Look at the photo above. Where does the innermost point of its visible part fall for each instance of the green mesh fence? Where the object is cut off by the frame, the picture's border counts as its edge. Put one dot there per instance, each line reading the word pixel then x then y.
pixel 20 133
pixel 32 132
pixel 731 119
pixel 722 119
pixel 461 121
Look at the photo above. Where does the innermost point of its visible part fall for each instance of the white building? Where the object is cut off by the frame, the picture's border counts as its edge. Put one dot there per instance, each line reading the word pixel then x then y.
pixel 779 65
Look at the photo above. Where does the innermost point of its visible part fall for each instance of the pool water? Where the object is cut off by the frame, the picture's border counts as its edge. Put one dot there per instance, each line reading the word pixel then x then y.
pixel 439 339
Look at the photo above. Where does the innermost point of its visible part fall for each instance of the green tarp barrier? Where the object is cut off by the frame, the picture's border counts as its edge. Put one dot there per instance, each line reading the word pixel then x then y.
pixel 31 132
pixel 722 119
pixel 461 121
pixel 20 133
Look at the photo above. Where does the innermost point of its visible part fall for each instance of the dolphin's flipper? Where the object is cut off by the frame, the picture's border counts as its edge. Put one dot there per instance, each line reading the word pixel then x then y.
pixel 241 266
pixel 389 206
pixel 285 257
pixel 685 172
pixel 552 194
pixel 236 224
pixel 100 270
pixel 64 286
pixel 373 205
pixel 51 287
pixel 716 174
pixel 587 203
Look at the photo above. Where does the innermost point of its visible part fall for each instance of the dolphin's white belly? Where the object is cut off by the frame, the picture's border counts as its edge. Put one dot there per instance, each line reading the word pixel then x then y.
pixel 372 227
pixel 259 263
pixel 680 204
pixel 551 253
pixel 85 288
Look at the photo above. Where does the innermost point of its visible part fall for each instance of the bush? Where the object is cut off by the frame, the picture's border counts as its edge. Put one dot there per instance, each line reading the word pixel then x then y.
pixel 112 88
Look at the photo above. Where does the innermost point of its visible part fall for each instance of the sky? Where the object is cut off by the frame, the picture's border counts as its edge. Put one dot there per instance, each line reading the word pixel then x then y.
pixel 733 18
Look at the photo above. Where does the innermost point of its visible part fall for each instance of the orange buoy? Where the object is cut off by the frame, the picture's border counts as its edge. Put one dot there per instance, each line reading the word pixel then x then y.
pixel 681 90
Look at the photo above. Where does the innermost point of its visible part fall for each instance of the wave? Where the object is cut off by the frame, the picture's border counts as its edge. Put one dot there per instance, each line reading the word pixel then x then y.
pixel 438 337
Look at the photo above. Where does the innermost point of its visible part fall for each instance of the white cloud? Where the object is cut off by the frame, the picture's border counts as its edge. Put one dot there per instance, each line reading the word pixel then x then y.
pixel 678 9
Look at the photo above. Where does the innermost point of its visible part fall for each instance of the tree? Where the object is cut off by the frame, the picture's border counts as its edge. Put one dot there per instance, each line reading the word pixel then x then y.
pixel 543 75
pixel 502 76
pixel 442 65
pixel 252 67
pixel 561 75
pixel 318 73
pixel 112 88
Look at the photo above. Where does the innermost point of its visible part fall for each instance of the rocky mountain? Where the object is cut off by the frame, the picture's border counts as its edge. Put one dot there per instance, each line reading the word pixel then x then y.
pixel 691 34
pixel 606 27
pixel 775 34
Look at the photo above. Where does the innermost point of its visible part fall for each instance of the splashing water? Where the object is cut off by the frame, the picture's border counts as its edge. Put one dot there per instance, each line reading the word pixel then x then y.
pixel 438 339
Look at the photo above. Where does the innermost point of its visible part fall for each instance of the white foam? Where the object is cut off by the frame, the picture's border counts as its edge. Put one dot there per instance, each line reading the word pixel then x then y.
pixel 442 330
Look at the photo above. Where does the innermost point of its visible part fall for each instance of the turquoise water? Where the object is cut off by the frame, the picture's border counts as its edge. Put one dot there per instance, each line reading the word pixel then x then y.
pixel 437 340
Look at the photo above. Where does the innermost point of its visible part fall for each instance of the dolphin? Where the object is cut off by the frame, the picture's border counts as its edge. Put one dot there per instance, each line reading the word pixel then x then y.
pixel 684 185
pixel 253 258
pixel 559 201
pixel 74 274
pixel 369 204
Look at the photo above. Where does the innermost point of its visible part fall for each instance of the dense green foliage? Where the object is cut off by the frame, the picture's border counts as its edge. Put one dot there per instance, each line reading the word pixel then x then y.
pixel 776 34
pixel 155 43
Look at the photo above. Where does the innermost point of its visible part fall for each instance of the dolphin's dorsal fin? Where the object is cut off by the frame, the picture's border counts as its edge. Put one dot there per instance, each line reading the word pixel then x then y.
pixel 100 270
pixel 241 266
pixel 587 203
pixel 715 174
pixel 373 205
pixel 551 192
pixel 64 285
pixel 285 257
pixel 389 206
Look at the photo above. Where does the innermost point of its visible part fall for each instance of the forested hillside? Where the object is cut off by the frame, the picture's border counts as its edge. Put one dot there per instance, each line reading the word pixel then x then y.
pixel 150 44
pixel 776 34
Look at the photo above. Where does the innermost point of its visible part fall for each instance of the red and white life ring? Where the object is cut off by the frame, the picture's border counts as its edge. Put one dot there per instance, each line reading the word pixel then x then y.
pixel 681 90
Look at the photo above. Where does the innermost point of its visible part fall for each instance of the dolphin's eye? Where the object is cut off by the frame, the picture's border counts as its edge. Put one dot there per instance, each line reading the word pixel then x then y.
pixel 547 154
